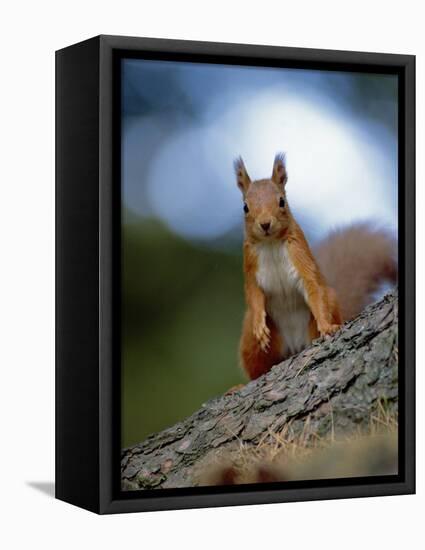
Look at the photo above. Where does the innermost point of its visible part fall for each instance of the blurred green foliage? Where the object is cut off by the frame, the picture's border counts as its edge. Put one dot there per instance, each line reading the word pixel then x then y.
pixel 182 300
pixel 182 308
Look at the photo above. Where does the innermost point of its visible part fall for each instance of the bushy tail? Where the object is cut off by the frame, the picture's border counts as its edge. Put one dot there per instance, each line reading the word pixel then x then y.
pixel 356 261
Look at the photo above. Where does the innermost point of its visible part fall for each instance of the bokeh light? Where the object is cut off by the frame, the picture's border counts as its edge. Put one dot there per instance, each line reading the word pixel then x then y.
pixel 182 126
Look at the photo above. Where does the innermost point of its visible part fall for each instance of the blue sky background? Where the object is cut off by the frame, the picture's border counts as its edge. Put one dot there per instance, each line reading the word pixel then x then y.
pixel 182 126
pixel 184 123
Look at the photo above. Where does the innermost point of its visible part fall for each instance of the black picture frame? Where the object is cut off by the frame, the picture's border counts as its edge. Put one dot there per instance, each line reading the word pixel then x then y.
pixel 88 273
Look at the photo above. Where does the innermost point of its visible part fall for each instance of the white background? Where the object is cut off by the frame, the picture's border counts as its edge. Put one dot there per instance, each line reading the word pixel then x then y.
pixel 30 32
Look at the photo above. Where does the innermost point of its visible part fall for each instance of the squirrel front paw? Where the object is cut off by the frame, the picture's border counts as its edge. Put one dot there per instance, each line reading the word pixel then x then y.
pixel 326 328
pixel 262 332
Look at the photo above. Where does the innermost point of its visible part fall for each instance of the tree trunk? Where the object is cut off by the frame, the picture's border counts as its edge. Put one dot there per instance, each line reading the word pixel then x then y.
pixel 335 385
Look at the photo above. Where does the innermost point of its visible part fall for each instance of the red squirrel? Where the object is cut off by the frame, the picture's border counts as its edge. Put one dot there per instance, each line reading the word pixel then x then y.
pixel 293 297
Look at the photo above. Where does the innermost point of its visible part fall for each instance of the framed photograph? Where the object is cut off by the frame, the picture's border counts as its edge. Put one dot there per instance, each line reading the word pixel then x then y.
pixel 235 302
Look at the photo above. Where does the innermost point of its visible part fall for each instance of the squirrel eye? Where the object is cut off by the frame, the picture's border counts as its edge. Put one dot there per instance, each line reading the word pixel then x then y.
pixel 282 202
pixel 245 208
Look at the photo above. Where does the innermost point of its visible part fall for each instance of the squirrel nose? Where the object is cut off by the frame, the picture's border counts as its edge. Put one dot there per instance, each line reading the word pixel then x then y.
pixel 265 226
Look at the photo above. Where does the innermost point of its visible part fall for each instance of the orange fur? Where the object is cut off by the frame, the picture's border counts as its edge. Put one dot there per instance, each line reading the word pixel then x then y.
pixel 320 298
pixel 291 292
pixel 367 253
pixel 255 359
pixel 259 345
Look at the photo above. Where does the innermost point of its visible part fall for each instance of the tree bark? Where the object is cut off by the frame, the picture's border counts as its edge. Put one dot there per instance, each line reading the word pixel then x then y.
pixel 335 385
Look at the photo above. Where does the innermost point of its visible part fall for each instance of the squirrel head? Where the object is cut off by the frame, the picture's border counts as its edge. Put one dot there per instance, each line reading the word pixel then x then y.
pixel 267 214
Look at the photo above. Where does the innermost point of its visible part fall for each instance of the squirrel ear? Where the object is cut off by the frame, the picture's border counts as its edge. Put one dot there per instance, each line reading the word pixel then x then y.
pixel 280 175
pixel 241 175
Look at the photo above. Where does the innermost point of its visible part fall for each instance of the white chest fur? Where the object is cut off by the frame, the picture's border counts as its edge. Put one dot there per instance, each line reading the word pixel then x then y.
pixel 285 295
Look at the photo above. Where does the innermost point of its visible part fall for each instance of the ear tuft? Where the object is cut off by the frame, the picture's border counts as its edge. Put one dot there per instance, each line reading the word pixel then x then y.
pixel 242 177
pixel 280 175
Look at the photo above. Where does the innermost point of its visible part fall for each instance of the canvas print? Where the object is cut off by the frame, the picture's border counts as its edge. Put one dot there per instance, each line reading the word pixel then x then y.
pixel 259 238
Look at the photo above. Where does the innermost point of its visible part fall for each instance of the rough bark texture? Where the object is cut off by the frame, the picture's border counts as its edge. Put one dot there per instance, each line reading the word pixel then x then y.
pixel 335 385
